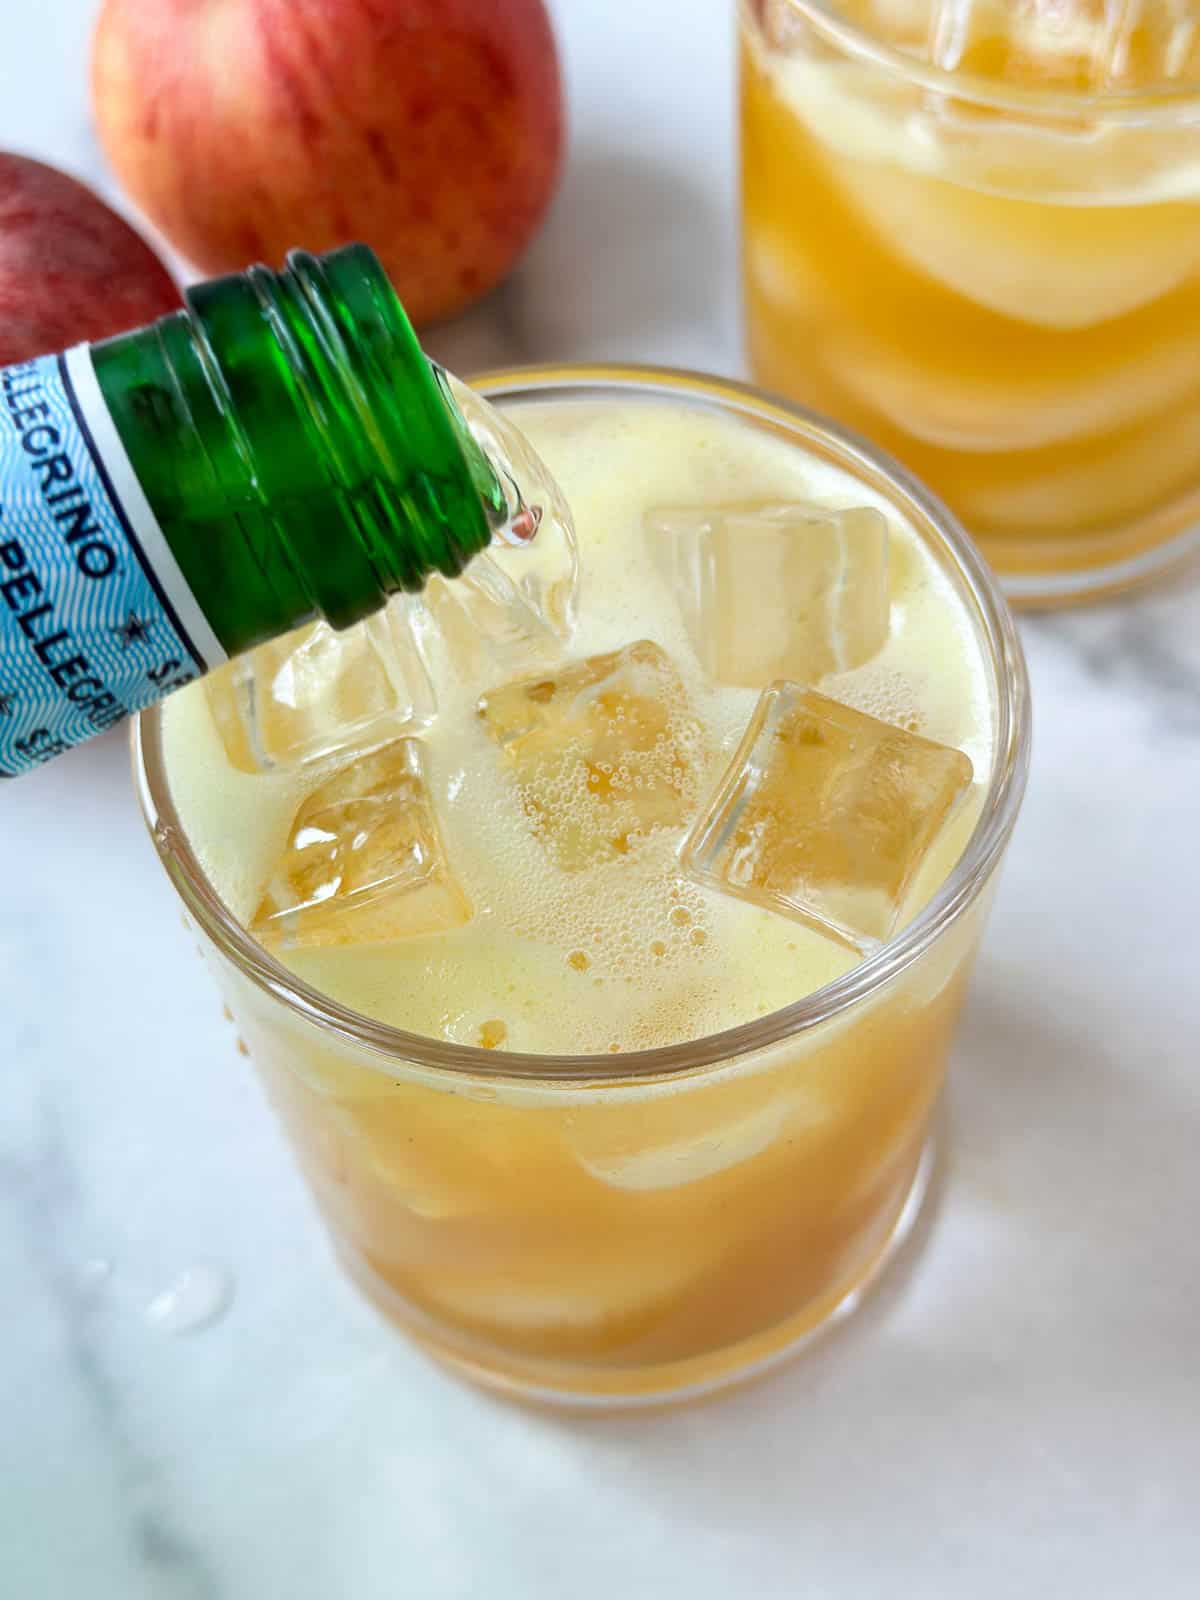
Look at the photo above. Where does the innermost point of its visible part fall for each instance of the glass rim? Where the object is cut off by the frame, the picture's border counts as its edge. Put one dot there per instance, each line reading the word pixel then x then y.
pixel 964 883
pixel 1133 105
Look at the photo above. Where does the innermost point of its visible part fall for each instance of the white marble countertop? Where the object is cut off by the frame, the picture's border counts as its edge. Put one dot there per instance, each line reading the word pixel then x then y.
pixel 1018 1414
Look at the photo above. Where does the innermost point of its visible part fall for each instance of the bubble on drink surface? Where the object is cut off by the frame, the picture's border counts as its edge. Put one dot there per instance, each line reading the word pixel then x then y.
pixel 880 691
pixel 364 861
pixel 537 549
pixel 194 1299
pixel 826 814
pixel 481 1030
pixel 316 691
pixel 785 591
pixel 604 751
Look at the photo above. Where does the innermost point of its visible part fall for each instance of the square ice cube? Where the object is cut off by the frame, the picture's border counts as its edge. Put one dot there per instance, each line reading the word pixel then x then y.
pixel 777 592
pixel 364 862
pixel 316 691
pixel 604 751
pixel 825 814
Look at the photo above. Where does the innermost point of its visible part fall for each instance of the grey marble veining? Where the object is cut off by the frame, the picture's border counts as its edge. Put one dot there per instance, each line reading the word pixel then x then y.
pixel 1150 644
pixel 1019 1414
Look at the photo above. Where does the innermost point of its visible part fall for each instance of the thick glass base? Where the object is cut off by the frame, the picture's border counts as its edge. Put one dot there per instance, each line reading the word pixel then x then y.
pixel 606 1388
pixel 1044 573
pixel 1060 560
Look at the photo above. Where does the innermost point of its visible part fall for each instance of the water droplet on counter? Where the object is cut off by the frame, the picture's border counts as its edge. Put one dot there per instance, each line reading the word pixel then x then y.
pixel 195 1299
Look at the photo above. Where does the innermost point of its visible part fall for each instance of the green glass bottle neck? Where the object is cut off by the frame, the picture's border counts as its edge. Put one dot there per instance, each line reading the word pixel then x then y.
pixel 299 452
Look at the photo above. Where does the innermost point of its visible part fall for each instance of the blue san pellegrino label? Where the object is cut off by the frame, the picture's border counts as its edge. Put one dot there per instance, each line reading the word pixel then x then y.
pixel 96 619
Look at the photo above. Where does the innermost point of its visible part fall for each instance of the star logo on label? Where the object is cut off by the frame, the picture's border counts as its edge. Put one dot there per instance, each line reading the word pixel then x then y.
pixel 6 705
pixel 134 630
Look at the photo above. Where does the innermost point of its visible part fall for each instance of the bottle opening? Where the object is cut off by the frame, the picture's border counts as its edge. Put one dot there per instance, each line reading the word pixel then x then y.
pixel 523 527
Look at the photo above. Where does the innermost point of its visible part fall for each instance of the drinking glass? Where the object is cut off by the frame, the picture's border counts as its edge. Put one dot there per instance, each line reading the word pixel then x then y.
pixel 613 1229
pixel 996 278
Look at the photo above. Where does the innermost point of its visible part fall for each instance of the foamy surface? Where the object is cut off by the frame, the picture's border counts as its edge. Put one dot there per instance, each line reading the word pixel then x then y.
pixel 626 953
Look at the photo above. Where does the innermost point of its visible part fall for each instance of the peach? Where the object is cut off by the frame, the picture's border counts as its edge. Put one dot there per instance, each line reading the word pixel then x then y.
pixel 71 269
pixel 430 129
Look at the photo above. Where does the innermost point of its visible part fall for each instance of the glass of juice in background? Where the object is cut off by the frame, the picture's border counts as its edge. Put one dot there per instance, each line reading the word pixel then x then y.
pixel 587 1107
pixel 972 230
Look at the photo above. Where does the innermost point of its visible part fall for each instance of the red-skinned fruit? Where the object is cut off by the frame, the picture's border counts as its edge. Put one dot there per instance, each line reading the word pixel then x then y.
pixel 430 129
pixel 71 269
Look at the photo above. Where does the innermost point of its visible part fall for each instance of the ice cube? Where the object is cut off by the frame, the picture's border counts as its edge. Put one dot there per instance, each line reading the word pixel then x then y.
pixel 316 691
pixel 364 862
pixel 1065 44
pixel 777 592
pixel 936 196
pixel 1061 44
pixel 546 568
pixel 484 623
pixel 604 751
pixel 825 814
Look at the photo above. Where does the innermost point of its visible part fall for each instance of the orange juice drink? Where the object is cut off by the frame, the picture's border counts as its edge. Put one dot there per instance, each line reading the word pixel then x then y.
pixel 972 231
pixel 607 998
